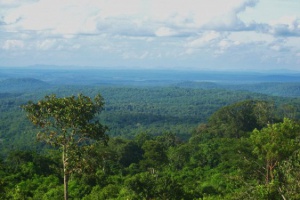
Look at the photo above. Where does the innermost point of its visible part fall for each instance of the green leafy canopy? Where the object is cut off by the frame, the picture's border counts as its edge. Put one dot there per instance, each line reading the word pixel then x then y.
pixel 67 120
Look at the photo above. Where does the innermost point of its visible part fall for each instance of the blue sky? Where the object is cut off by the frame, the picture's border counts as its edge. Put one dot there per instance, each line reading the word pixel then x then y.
pixel 172 34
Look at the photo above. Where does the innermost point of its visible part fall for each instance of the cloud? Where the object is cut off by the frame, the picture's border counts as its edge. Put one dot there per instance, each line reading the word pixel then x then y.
pixel 165 31
pixel 229 20
pixel 212 42
pixel 136 17
pixel 286 26
pixel 156 31
pixel 226 44
pixel 14 3
pixel 246 4
pixel 156 18
pixel 50 16
pixel 46 44
pixel 134 55
pixel 13 44
pixel 204 39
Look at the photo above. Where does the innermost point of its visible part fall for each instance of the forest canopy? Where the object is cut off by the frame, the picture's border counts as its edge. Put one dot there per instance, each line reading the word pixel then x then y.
pixel 164 143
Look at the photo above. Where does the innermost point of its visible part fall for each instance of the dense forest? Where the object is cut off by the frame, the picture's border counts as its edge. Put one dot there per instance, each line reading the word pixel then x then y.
pixel 183 140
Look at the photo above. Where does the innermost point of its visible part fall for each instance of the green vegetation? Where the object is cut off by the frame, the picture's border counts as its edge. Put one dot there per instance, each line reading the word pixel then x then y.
pixel 66 123
pixel 165 143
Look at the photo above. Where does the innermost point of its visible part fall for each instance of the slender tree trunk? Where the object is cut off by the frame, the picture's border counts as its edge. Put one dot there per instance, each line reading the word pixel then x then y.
pixel 66 174
pixel 66 180
pixel 267 172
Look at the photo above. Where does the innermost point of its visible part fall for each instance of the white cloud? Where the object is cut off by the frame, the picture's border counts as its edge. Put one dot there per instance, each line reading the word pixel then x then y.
pixel 204 39
pixel 286 26
pixel 156 17
pixel 275 47
pixel 46 44
pixel 63 17
pixel 224 44
pixel 245 37
pixel 13 44
pixel 14 3
pixel 229 20
pixel 165 31
pixel 156 30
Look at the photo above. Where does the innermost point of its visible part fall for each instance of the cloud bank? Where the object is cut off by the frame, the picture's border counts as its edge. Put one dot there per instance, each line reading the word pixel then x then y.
pixel 156 31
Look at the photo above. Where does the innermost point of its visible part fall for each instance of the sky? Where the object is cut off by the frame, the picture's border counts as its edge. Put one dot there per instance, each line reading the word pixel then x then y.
pixel 166 34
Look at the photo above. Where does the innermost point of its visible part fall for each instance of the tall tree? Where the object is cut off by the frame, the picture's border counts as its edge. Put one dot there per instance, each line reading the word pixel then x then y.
pixel 273 145
pixel 68 123
pixel 236 120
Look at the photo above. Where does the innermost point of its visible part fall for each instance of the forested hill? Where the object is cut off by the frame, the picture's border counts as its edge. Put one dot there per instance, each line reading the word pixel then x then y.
pixel 244 151
pixel 287 89
pixel 132 110
pixel 168 138
pixel 22 85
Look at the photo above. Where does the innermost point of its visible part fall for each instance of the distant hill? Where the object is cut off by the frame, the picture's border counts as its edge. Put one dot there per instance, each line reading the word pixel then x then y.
pixel 70 75
pixel 285 89
pixel 271 88
pixel 22 84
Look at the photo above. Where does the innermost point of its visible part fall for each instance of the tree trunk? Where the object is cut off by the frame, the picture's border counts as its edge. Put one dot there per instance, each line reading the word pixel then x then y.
pixel 66 180
pixel 66 174
pixel 267 172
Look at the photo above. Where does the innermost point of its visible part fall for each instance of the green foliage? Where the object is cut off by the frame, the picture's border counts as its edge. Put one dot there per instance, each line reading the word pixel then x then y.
pixel 68 123
pixel 289 170
pixel 108 192
pixel 154 155
pixel 236 120
pixel 275 143
pixel 64 119
pixel 132 149
pixel 130 111
pixel 179 156
pixel 160 152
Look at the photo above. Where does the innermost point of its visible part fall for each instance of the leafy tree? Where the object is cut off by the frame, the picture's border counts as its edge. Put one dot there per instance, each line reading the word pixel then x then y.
pixel 129 153
pixel 237 119
pixel 111 191
pixel 141 138
pixel 68 123
pixel 168 139
pixel 142 184
pixel 155 156
pixel 2 174
pixel 291 176
pixel 179 156
pixel 273 145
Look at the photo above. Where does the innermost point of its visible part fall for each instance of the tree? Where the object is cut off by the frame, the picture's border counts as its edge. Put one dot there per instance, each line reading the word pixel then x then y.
pixel 155 156
pixel 68 123
pixel 291 175
pixel 236 120
pixel 273 145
